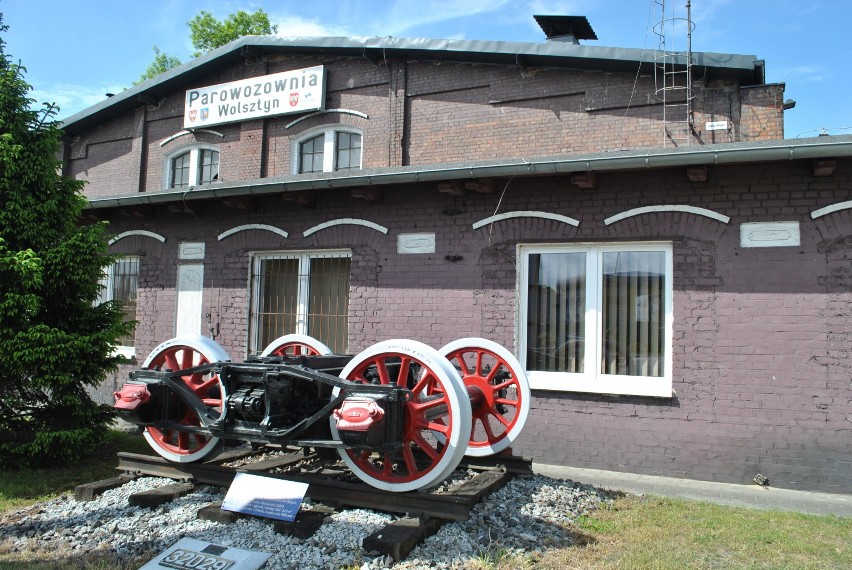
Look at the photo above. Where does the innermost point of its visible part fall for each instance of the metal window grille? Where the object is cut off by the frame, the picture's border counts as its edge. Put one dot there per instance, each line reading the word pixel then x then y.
pixel 301 293
pixel 120 284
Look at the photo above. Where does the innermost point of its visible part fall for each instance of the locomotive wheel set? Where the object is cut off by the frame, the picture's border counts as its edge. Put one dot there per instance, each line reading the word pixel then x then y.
pixel 401 414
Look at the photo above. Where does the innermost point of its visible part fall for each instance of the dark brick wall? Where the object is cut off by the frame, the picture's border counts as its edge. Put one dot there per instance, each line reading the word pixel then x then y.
pixel 421 113
pixel 761 336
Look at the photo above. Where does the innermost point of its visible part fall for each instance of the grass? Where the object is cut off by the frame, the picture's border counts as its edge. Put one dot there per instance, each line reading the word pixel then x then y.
pixel 23 487
pixel 661 533
pixel 635 532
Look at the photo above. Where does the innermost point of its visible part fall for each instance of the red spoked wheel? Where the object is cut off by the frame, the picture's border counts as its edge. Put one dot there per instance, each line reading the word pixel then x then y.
pixel 180 354
pixel 296 345
pixel 498 390
pixel 439 406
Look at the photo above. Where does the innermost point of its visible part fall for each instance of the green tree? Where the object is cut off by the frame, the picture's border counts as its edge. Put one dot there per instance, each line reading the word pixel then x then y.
pixel 208 33
pixel 55 340
pixel 161 64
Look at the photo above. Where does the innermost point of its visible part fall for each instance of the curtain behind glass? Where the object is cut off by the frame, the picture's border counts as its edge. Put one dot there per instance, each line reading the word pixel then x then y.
pixel 556 312
pixel 633 313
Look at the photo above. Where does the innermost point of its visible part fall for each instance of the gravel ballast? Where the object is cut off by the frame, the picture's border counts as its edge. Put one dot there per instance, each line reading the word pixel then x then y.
pixel 526 517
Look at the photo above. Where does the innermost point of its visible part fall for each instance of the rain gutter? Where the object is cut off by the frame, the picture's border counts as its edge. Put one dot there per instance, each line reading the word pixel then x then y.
pixel 737 153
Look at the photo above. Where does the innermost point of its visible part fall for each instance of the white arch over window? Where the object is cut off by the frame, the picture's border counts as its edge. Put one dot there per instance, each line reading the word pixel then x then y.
pixel 668 208
pixel 247 227
pixel 526 214
pixel 831 209
pixel 179 134
pixel 144 233
pixel 346 222
pixel 326 111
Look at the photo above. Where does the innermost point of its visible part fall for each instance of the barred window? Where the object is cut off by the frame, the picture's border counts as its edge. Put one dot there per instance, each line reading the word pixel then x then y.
pixel 119 283
pixel 305 293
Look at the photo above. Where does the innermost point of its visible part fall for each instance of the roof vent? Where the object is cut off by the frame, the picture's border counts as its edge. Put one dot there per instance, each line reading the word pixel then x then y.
pixel 570 29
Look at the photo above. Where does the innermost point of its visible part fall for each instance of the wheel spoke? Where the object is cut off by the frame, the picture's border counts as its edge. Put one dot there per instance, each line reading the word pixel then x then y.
pixel 384 377
pixel 187 360
pixel 408 459
pixel 500 417
pixel 462 364
pixel 493 373
pixel 479 355
pixel 171 362
pixel 402 379
pixel 424 445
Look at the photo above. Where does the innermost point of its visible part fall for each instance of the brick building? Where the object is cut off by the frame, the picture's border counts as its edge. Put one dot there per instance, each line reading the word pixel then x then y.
pixel 534 194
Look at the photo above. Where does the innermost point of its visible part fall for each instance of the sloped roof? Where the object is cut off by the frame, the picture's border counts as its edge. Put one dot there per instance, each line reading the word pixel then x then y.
pixel 746 69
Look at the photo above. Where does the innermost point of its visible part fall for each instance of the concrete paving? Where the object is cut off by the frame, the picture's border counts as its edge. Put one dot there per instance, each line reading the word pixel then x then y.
pixel 752 496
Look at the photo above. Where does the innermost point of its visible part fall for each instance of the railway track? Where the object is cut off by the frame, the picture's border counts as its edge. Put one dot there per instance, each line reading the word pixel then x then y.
pixel 329 485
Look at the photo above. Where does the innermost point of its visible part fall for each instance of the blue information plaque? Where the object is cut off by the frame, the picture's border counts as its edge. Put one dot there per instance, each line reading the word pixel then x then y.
pixel 265 497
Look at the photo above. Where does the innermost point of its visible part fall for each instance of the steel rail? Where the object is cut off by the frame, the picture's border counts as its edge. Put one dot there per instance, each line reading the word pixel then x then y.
pixel 449 506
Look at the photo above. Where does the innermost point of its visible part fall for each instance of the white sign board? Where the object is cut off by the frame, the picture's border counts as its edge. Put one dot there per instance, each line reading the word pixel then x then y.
pixel 716 125
pixel 770 234
pixel 191 553
pixel 265 497
pixel 264 96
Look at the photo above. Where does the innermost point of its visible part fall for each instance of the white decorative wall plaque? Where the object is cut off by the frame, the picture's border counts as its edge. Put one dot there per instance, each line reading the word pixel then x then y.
pixel 415 243
pixel 770 234
pixel 191 250
pixel 190 286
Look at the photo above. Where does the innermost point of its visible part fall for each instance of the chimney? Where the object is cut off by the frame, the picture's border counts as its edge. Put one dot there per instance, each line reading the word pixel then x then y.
pixel 568 29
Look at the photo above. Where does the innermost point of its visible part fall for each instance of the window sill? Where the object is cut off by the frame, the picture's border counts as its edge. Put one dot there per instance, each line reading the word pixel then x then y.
pixel 616 385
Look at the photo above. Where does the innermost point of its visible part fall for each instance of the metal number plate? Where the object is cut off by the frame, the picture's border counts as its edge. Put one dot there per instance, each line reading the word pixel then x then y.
pixel 187 559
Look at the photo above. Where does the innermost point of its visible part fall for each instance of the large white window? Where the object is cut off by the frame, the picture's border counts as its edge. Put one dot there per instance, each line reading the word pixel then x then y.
pixel 304 293
pixel 192 167
pixel 327 151
pixel 119 283
pixel 597 318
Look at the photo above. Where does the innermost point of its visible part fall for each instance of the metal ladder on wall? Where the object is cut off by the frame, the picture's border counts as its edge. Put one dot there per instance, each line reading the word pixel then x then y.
pixel 673 75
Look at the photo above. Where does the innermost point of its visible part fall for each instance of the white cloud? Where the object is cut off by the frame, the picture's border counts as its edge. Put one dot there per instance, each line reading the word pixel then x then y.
pixel 292 25
pixel 71 98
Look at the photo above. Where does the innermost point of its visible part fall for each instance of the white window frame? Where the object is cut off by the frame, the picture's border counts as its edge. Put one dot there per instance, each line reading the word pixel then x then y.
pixel 329 150
pixel 107 282
pixel 303 296
pixel 592 380
pixel 194 164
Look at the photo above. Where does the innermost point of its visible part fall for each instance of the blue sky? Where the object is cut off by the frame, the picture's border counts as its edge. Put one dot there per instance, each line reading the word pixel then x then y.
pixel 75 51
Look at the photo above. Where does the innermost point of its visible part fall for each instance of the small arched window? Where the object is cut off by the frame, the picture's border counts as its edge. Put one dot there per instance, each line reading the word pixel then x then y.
pixel 193 167
pixel 311 154
pixel 328 151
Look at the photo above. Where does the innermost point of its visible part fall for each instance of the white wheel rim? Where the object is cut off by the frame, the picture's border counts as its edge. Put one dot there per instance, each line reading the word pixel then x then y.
pixel 203 349
pixel 296 340
pixel 522 386
pixel 457 400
